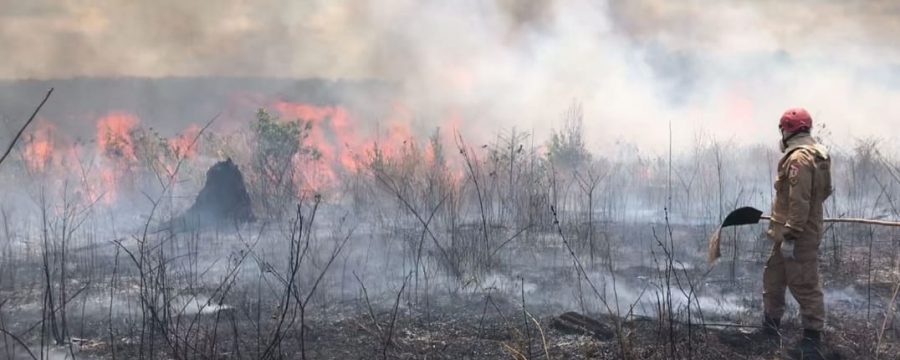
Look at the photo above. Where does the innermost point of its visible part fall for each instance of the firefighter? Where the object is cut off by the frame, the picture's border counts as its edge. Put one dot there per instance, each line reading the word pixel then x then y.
pixel 796 229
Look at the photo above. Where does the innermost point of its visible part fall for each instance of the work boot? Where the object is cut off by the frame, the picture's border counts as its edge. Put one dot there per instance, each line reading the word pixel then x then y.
pixel 771 327
pixel 809 347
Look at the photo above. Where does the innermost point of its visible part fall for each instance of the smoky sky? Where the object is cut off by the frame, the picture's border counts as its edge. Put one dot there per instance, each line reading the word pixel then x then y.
pixel 725 68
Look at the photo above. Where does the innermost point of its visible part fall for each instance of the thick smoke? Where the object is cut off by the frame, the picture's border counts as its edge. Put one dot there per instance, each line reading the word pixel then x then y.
pixel 725 68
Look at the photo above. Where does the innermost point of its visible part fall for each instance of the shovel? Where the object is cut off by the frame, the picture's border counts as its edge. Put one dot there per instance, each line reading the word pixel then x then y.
pixel 748 215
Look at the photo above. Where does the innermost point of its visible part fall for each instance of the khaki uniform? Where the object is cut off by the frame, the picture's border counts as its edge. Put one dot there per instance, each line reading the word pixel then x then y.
pixel 803 184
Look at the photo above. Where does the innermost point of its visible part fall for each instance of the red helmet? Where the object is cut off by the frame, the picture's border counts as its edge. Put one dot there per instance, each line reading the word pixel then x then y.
pixel 795 119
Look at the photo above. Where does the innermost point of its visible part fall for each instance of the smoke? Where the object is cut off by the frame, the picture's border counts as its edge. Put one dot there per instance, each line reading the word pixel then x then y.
pixel 724 68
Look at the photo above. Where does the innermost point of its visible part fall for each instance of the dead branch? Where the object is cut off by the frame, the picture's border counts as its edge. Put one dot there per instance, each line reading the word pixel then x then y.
pixel 18 340
pixel 22 129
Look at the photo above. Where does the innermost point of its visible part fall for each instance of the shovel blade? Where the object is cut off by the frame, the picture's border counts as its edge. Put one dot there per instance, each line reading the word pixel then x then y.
pixel 743 216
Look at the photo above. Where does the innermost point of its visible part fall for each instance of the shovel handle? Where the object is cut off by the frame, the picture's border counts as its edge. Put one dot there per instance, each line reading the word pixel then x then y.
pixel 851 221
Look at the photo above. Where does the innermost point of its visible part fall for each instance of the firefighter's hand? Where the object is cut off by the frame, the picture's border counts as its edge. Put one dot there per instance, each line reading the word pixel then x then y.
pixel 787 249
pixel 787 245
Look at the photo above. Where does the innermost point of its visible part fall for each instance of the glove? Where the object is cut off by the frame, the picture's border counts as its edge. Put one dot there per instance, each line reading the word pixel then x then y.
pixel 787 245
pixel 787 249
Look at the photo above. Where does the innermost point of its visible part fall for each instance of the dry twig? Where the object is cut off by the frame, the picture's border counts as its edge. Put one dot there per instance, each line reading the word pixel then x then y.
pixel 22 130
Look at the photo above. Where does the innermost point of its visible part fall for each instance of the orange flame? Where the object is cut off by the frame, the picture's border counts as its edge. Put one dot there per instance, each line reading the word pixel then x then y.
pixel 115 142
pixel 114 136
pixel 336 137
pixel 332 137
pixel 345 145
pixel 181 145
pixel 398 134
pixel 39 147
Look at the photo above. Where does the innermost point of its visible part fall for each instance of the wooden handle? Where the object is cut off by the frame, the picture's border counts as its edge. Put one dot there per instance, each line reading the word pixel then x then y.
pixel 851 221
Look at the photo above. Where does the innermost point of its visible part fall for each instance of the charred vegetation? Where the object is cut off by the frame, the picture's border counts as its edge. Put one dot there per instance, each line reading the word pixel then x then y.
pixel 398 246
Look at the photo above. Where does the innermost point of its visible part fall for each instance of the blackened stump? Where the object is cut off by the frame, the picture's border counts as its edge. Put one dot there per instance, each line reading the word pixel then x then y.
pixel 223 201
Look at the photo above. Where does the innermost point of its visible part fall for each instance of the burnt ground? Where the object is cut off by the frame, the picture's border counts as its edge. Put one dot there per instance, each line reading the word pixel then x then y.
pixel 461 333
pixel 470 318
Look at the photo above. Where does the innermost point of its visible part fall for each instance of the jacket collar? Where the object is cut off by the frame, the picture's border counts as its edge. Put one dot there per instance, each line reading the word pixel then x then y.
pixel 805 140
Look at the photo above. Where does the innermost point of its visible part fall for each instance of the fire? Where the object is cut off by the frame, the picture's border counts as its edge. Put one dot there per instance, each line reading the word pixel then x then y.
pixel 342 147
pixel 331 132
pixel 331 135
pixel 343 143
pixel 114 136
pixel 118 146
pixel 115 142
pixel 39 147
pixel 181 144
pixel 399 134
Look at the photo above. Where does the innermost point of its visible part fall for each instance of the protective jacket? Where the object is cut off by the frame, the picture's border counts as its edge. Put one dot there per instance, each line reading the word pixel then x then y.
pixel 801 188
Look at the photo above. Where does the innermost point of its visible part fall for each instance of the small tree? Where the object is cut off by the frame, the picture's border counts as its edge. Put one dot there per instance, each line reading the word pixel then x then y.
pixel 566 153
pixel 279 145
pixel 566 148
